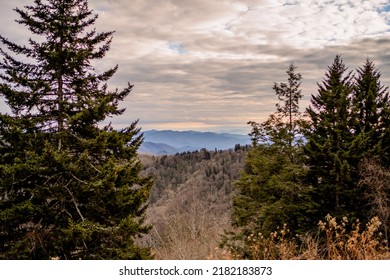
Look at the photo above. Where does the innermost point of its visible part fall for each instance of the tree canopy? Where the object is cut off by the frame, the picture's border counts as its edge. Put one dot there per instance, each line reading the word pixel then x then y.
pixel 69 188
pixel 348 123
pixel 294 184
pixel 272 189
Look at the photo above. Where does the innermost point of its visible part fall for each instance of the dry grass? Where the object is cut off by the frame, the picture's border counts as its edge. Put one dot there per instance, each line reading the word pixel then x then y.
pixel 355 244
pixel 195 234
pixel 333 242
pixel 186 228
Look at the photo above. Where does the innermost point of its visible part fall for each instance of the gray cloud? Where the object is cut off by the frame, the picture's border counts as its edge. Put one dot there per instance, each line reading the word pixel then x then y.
pixel 211 65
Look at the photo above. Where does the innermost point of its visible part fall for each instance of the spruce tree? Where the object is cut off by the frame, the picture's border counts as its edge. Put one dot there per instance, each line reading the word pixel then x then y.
pixel 271 192
pixel 330 139
pixel 69 188
pixel 371 147
pixel 371 118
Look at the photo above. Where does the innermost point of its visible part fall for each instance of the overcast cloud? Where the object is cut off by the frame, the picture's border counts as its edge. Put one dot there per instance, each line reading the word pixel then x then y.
pixel 210 64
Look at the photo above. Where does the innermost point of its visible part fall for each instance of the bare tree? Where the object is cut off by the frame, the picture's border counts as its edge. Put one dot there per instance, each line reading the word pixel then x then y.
pixel 376 179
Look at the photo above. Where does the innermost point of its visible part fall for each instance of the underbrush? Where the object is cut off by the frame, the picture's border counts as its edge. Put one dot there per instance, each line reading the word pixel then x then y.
pixel 335 240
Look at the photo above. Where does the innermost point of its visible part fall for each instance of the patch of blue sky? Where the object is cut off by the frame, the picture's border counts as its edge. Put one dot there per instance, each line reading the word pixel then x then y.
pixel 177 47
pixel 385 9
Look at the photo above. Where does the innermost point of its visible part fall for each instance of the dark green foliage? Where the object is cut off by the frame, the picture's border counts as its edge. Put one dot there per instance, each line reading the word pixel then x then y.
pixel 272 190
pixel 329 141
pixel 287 182
pixel 68 188
pixel 371 115
pixel 371 147
pixel 348 122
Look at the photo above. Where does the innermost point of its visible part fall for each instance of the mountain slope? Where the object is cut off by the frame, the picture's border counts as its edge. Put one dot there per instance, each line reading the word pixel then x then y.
pixel 182 141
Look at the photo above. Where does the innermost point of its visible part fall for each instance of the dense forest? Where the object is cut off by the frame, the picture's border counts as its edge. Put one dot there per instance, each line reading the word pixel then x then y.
pixel 314 183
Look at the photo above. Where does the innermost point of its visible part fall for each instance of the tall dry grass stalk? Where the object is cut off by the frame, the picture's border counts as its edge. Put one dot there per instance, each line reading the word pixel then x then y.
pixel 368 244
pixel 332 242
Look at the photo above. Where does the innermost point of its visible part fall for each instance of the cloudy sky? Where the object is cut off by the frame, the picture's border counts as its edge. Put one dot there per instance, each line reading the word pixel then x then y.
pixel 210 65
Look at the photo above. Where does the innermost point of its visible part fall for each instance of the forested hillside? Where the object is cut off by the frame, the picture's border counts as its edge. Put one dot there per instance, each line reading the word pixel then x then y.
pixel 191 200
pixel 313 184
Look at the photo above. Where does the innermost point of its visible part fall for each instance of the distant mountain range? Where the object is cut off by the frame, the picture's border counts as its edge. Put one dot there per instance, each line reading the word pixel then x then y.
pixel 171 142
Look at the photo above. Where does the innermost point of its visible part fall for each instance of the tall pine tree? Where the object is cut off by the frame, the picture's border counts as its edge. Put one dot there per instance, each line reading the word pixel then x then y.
pixel 371 147
pixel 330 139
pixel 371 122
pixel 68 188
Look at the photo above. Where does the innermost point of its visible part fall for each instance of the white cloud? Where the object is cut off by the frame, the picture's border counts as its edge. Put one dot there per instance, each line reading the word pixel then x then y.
pixel 213 63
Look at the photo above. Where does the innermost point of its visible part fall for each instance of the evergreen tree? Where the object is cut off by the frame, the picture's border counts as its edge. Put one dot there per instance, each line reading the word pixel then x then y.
pixel 68 188
pixel 283 128
pixel 371 147
pixel 290 94
pixel 330 139
pixel 371 120
pixel 272 190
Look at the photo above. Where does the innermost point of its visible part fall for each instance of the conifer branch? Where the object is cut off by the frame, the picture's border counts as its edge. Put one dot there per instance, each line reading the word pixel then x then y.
pixel 77 179
pixel 74 201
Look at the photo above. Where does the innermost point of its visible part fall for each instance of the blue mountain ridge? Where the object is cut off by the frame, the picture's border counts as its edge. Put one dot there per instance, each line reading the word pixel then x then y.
pixel 171 142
